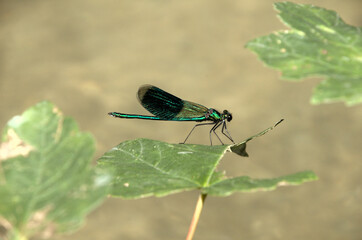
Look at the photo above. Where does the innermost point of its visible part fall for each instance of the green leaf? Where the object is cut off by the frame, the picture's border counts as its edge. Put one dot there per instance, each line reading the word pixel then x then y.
pixel 246 184
pixel 145 167
pixel 46 180
pixel 319 43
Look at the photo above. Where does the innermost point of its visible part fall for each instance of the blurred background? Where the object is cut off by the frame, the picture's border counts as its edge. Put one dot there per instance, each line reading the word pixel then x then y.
pixel 90 57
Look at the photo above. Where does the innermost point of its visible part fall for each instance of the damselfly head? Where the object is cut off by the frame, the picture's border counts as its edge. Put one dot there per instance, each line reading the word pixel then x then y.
pixel 227 115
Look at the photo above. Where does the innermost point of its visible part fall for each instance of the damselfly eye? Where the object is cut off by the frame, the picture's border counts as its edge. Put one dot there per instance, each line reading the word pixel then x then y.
pixel 229 117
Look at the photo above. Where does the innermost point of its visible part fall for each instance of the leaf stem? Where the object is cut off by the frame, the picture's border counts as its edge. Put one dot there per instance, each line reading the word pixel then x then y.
pixel 195 218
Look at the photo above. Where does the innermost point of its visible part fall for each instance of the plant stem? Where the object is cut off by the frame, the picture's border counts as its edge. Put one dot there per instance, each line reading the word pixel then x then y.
pixel 195 218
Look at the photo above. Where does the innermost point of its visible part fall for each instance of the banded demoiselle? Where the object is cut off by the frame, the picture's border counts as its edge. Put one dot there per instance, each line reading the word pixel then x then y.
pixel 167 107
